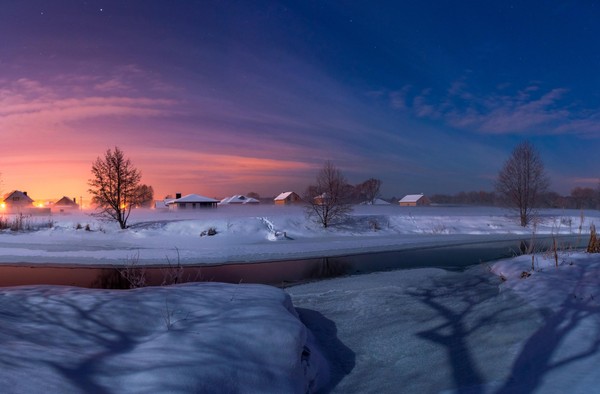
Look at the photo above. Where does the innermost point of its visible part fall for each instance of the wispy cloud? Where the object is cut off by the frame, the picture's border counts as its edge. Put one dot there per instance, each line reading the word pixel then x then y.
pixel 29 105
pixel 530 110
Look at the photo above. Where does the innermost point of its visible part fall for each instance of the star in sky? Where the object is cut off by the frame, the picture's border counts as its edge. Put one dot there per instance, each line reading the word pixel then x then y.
pixel 225 97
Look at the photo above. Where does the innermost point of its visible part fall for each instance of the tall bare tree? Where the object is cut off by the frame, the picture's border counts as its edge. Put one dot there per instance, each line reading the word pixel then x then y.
pixel 114 186
pixel 328 200
pixel 522 180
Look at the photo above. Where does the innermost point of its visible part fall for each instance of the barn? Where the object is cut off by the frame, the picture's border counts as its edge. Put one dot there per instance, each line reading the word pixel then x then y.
pixel 286 198
pixel 414 200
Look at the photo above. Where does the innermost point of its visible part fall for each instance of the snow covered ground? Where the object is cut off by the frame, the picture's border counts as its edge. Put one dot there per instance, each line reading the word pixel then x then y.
pixel 192 338
pixel 263 233
pixel 489 329
pixel 434 331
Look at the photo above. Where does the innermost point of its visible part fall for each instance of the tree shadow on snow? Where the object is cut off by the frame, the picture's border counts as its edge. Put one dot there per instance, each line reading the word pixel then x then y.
pixel 539 353
pixel 83 328
pixel 341 359
pixel 462 315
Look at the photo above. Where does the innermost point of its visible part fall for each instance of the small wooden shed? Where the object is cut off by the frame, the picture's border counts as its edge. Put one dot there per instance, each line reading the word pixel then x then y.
pixel 287 198
pixel 414 200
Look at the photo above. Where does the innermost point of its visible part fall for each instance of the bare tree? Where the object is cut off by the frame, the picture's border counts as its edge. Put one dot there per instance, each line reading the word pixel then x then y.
pixel 584 197
pixel 114 186
pixel 522 180
pixel 328 200
pixel 370 189
pixel 144 195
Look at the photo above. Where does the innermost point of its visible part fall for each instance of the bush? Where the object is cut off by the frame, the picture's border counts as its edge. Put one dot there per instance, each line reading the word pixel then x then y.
pixel 210 232
pixel 594 243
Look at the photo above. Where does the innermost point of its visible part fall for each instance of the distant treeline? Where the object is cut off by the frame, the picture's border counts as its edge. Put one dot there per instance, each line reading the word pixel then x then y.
pixel 579 198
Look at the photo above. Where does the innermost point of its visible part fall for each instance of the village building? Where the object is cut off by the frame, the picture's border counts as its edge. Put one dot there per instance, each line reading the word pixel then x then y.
pixel 238 199
pixel 191 201
pixel 65 204
pixel 321 199
pixel 287 198
pixel 17 201
pixel 414 200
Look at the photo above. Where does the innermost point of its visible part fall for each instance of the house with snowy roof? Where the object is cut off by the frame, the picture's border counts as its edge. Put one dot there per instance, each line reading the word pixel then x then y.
pixel 287 198
pixel 65 204
pixel 414 200
pixel 17 201
pixel 191 201
pixel 238 199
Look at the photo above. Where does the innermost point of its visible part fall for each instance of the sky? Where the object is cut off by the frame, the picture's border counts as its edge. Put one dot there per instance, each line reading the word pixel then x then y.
pixel 228 97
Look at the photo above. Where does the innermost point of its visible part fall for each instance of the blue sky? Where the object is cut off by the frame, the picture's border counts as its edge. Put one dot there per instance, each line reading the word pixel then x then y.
pixel 227 97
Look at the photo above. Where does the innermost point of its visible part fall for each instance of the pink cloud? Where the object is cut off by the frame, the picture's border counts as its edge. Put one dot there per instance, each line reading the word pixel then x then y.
pixel 29 106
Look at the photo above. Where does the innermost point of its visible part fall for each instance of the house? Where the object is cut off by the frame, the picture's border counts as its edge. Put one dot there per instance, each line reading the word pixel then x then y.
pixel 191 201
pixel 65 204
pixel 321 199
pixel 17 201
pixel 163 204
pixel 414 200
pixel 238 199
pixel 286 198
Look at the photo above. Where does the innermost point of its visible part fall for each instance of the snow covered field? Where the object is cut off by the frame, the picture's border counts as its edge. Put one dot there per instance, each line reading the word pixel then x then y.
pixel 263 233
pixel 435 331
pixel 427 330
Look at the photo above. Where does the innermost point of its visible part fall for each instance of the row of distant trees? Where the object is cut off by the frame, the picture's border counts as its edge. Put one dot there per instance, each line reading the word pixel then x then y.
pixel 579 198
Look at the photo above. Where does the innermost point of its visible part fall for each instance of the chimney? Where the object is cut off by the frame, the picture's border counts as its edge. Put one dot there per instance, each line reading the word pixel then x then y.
pixel 25 193
pixel 75 200
pixel 177 195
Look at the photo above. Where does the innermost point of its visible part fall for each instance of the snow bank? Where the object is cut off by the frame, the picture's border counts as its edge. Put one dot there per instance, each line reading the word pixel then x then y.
pixel 204 337
pixel 563 354
pixel 576 278
pixel 434 331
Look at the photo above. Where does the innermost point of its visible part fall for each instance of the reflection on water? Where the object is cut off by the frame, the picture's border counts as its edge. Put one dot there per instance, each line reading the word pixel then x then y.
pixel 330 267
pixel 278 273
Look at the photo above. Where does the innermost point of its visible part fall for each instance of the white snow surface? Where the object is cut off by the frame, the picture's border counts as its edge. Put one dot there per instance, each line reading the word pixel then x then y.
pixel 426 330
pixel 192 338
pixel 255 233
pixel 485 330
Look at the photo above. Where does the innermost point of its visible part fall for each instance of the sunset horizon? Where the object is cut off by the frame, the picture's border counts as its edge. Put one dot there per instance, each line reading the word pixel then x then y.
pixel 223 98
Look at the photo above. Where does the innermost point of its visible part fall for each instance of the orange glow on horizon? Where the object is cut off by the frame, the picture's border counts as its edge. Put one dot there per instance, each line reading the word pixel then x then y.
pixel 49 177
